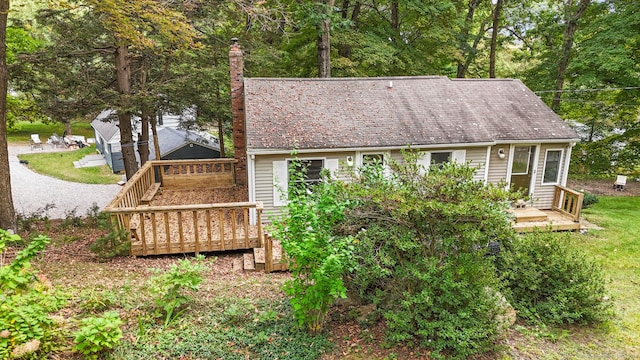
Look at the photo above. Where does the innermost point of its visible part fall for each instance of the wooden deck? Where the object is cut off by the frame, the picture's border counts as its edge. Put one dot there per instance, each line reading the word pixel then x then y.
pixel 530 219
pixel 563 216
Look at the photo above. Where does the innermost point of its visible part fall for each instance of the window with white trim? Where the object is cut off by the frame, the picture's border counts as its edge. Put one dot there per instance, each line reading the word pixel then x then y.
pixel 313 167
pixel 552 161
pixel 310 169
pixel 439 157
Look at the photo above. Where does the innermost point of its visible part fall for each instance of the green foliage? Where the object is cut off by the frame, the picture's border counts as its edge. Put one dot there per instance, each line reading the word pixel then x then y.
pixel 25 303
pixel 98 334
pixel 552 280
pixel 411 241
pixel 589 199
pixel 229 328
pixel 170 288
pixel 319 258
pixel 115 243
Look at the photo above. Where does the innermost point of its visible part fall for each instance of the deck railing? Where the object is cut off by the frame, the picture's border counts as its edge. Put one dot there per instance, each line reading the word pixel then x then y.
pixel 189 228
pixel 273 263
pixel 568 202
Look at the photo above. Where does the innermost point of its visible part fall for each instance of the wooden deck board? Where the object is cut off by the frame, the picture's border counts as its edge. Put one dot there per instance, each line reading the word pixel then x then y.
pixel 555 221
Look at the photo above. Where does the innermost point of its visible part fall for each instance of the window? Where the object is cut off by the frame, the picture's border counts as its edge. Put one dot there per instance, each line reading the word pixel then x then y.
pixel 551 172
pixel 521 156
pixel 311 169
pixel 372 159
pixel 439 158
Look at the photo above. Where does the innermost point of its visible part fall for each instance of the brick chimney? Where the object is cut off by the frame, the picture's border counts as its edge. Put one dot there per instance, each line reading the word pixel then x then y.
pixel 237 111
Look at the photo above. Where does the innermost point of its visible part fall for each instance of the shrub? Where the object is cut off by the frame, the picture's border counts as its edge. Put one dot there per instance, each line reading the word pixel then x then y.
pixel 319 258
pixel 25 303
pixel 411 241
pixel 98 334
pixel 589 199
pixel 551 280
pixel 169 288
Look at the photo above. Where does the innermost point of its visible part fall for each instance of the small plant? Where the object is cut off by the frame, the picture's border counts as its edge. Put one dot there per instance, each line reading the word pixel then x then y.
pixel 98 334
pixel 27 221
pixel 169 288
pixel 589 199
pixel 26 302
pixel 115 243
pixel 72 219
pixel 553 281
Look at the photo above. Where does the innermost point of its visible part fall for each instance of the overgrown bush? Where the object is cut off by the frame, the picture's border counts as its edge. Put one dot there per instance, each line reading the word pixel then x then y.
pixel 98 334
pixel 552 280
pixel 170 288
pixel 319 257
pixel 411 241
pixel 26 326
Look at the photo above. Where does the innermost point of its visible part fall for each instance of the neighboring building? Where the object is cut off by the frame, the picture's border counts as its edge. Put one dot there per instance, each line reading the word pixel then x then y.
pixel 174 143
pixel 497 125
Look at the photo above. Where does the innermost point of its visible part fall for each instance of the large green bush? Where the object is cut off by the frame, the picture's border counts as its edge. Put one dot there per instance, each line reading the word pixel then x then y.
pixel 552 280
pixel 412 242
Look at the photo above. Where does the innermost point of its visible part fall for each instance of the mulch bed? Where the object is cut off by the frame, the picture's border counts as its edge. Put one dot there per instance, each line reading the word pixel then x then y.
pixel 605 187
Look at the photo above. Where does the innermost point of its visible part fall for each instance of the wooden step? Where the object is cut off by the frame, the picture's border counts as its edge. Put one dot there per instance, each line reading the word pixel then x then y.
pixel 529 214
pixel 249 263
pixel 259 258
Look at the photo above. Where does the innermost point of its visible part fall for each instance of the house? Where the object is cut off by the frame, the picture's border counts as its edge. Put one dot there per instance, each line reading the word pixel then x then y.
pixel 175 144
pixel 497 125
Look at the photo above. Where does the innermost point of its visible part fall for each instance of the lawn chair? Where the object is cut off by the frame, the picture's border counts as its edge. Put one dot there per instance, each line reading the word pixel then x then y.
pixel 620 183
pixel 35 142
pixel 55 141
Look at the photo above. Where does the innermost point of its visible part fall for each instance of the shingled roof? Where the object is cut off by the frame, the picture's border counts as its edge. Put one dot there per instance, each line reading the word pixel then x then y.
pixel 395 112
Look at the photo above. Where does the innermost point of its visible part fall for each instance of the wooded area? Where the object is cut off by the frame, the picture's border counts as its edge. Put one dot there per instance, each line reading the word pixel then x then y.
pixel 70 59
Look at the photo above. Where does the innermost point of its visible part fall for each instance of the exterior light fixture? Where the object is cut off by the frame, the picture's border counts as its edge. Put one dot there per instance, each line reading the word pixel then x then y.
pixel 349 160
pixel 501 153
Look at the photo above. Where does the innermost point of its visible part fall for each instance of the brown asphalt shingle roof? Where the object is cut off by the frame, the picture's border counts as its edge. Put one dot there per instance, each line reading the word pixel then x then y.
pixel 394 111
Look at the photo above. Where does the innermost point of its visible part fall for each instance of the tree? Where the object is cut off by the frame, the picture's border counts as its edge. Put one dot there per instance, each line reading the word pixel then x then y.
pixel 573 12
pixel 7 211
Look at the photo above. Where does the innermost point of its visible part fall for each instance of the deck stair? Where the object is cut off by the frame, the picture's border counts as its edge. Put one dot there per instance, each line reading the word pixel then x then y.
pixel 529 214
pixel 256 260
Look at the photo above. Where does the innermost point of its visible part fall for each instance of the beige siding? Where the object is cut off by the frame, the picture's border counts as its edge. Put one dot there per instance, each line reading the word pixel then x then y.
pixel 498 167
pixel 543 194
pixel 477 158
pixel 264 176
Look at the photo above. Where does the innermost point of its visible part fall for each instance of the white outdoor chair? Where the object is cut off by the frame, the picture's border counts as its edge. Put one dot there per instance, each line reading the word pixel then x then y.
pixel 35 142
pixel 620 183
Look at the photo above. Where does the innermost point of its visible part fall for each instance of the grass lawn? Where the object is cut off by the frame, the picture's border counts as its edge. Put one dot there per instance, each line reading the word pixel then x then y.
pixel 21 131
pixel 617 248
pixel 60 165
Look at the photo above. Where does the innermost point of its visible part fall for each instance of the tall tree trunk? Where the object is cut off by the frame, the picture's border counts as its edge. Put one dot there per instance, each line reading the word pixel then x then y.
pixel 395 16
pixel 324 40
pixel 464 35
pixel 145 117
pixel 7 211
pixel 123 74
pixel 571 20
pixel 143 137
pixel 494 38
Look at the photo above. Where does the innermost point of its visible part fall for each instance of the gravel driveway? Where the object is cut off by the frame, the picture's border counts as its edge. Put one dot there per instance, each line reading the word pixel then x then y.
pixel 32 192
